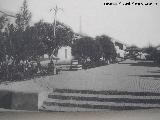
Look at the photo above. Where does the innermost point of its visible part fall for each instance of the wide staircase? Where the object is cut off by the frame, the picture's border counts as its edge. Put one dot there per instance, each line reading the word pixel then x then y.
pixel 90 100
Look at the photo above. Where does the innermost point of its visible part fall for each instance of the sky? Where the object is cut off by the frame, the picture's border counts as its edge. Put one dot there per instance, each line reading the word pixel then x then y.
pixel 133 25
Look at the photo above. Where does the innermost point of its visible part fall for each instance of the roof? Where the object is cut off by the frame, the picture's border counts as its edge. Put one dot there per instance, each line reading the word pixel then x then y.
pixel 7 13
pixel 115 40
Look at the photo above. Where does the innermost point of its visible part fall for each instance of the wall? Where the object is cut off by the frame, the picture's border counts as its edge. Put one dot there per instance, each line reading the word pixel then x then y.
pixel 120 52
pixel 21 100
pixel 5 99
pixel 65 55
pixel 120 48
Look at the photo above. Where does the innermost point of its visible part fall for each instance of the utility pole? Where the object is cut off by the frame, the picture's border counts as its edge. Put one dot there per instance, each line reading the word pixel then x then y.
pixel 55 11
pixel 80 25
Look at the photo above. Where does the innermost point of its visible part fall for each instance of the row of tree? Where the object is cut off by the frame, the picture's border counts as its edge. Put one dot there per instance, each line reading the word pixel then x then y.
pixel 19 41
pixel 153 53
pixel 95 49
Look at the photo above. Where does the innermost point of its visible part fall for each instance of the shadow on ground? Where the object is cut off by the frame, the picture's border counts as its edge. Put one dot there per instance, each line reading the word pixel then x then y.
pixel 145 64
pixel 158 71
pixel 146 76
pixel 142 63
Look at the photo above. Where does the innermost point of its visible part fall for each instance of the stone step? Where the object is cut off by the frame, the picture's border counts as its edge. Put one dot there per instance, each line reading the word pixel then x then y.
pixel 88 100
pixel 108 92
pixel 50 102
pixel 72 105
pixel 56 108
pixel 51 95
pixel 97 99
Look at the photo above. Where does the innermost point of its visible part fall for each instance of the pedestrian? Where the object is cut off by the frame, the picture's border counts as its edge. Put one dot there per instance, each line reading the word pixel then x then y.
pixel 39 67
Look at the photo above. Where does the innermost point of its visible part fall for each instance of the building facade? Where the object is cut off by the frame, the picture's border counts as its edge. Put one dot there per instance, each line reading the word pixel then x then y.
pixel 65 55
pixel 120 48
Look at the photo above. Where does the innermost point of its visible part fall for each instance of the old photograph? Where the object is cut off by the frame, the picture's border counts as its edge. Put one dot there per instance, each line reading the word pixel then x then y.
pixel 79 55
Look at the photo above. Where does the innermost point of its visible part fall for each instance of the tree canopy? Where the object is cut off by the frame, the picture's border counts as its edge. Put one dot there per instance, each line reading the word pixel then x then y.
pixel 107 47
pixel 44 32
pixel 85 48
pixel 20 41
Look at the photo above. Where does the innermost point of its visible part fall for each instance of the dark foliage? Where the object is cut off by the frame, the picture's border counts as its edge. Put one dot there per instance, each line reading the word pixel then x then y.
pixel 86 48
pixel 107 47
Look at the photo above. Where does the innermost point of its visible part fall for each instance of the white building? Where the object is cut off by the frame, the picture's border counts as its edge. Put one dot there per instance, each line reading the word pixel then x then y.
pixel 65 55
pixel 65 52
pixel 120 48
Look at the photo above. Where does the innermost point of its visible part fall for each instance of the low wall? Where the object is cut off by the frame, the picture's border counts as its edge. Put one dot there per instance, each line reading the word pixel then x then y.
pixel 21 100
pixel 24 101
pixel 5 99
pixel 41 97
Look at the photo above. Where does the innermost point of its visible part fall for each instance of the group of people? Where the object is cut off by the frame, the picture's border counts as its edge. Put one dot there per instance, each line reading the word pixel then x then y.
pixel 12 71
pixel 23 70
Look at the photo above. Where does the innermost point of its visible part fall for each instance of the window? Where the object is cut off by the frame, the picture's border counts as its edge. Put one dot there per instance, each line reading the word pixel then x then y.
pixel 66 54
pixel 119 45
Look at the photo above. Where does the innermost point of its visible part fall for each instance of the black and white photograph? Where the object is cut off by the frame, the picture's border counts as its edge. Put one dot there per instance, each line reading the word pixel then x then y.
pixel 79 55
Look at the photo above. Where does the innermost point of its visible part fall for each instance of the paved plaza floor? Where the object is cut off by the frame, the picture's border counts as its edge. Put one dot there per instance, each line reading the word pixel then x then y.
pixel 128 75
pixel 126 85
